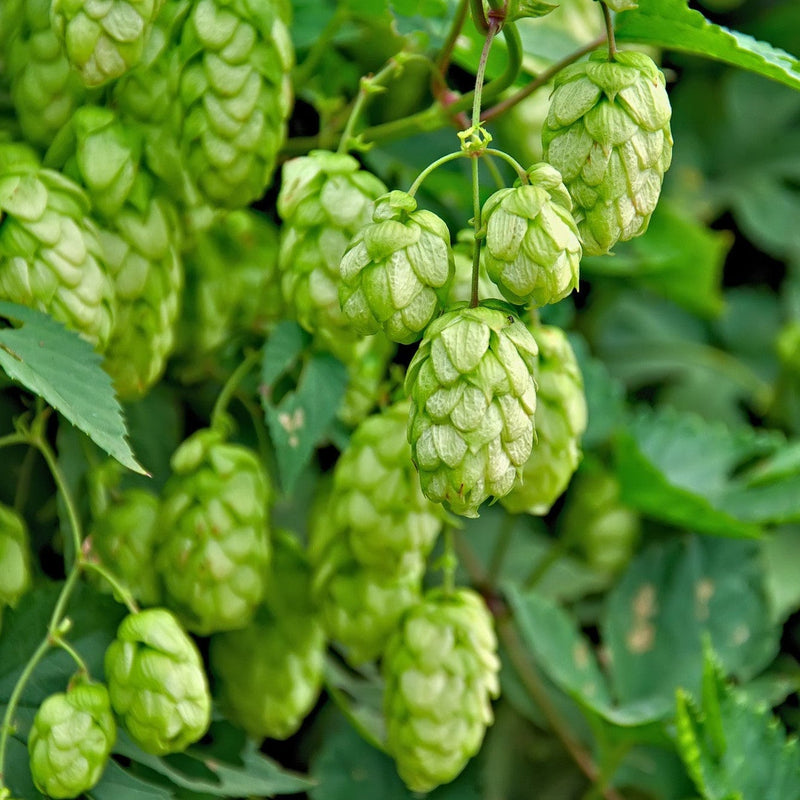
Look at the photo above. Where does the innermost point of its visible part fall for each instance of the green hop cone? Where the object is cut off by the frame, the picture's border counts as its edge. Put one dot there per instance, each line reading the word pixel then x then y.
pixel 377 501
pixel 236 95
pixel 607 133
pixel 472 403
pixel 103 40
pixel 50 255
pixel 71 739
pixel 157 683
pixel 325 199
pixel 15 557
pixel 214 533
pixel 560 422
pixel 396 269
pixel 533 250
pixel 269 674
pixel 441 670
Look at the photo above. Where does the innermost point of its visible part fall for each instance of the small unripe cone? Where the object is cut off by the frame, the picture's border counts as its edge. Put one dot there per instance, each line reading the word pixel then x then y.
pixel 533 249
pixel 157 683
pixel 15 557
pixel 560 422
pixel 607 133
pixel 71 739
pixel 214 533
pixel 472 403
pixel 396 269
pixel 440 669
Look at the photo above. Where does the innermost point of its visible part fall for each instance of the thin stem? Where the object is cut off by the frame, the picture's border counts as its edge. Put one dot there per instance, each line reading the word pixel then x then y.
pixel 481 74
pixel 446 53
pixel 24 480
pixel 476 224
pixel 540 80
pixel 513 65
pixel 431 167
pixel 501 547
pixel 320 46
pixel 478 16
pixel 119 589
pixel 518 168
pixel 60 641
pixel 12 439
pixel 494 171
pixel 231 385
pixel 612 42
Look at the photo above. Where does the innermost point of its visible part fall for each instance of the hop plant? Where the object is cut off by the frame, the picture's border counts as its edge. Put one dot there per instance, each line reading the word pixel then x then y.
pixel 50 255
pixel 15 557
pixel 533 249
pixel 214 535
pixel 103 40
pixel 325 199
pixel 396 269
pixel 441 670
pixel 472 403
pixel 376 501
pixel 560 422
pixel 607 133
pixel 71 739
pixel 236 95
pixel 156 682
pixel 269 674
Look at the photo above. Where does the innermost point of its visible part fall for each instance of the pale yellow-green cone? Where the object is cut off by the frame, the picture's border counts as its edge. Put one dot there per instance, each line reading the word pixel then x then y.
pixel 71 739
pixel 15 557
pixel 441 672
pixel 560 422
pixel 268 675
pixel 608 134
pixel 473 398
pixel 157 683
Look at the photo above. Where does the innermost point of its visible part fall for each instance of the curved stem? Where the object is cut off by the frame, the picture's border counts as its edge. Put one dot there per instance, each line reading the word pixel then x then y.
pixel 612 42
pixel 13 438
pixel 414 188
pixel 514 51
pixel 446 53
pixel 478 16
pixel 518 168
pixel 231 385
pixel 119 589
pixel 60 641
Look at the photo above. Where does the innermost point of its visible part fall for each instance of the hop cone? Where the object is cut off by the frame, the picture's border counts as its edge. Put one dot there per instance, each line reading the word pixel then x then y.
pixel 396 269
pixel 124 537
pixel 269 674
pixel 44 87
pixel 236 94
pixel 214 537
pixel 71 739
pixel 533 250
pixel 157 684
pixel 560 422
pixel 377 501
pixel 50 255
pixel 325 199
pixel 441 671
pixel 608 135
pixel 460 289
pixel 472 403
pixel 15 557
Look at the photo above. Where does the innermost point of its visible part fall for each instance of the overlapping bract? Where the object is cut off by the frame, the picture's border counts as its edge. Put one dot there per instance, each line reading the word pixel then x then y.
pixel 396 270
pixel 607 133
pixel 214 533
pixel 70 740
pixel 533 249
pixel 560 422
pixel 441 671
pixel 15 557
pixel 473 398
pixel 157 683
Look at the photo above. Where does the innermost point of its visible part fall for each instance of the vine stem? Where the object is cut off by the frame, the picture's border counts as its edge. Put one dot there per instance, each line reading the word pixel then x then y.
pixel 231 385
pixel 518 168
pixel 476 223
pixel 12 439
pixel 60 641
pixel 431 167
pixel 446 53
pixel 111 580
pixel 612 42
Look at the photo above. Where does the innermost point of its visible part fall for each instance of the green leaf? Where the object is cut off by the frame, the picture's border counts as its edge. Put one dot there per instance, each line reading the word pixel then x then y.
pixel 673 25
pixel 65 371
pixel 118 784
pixel 282 351
pixel 675 594
pixel 781 551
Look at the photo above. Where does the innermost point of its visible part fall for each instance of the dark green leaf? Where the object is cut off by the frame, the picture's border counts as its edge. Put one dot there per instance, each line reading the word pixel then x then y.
pixel 65 371
pixel 781 551
pixel 117 784
pixel 282 351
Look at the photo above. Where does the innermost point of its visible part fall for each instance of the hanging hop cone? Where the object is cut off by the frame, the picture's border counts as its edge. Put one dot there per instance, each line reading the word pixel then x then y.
pixel 396 269
pixel 532 250
pixel 214 533
pixel 607 133
pixel 269 674
pixel 45 89
pixel 560 422
pixel 15 557
pixel 472 402
pixel 236 95
pixel 50 255
pixel 71 739
pixel 325 199
pixel 157 683
pixel 440 669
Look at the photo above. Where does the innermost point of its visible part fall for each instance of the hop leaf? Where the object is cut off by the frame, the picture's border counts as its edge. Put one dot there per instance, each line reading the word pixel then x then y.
pixel 441 671
pixel 156 682
pixel 607 133
pixel 15 557
pixel 472 403
pixel 396 269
